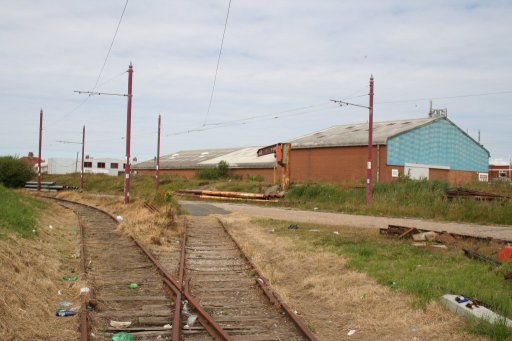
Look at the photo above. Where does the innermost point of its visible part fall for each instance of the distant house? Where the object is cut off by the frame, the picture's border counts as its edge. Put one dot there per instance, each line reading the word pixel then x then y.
pixel 431 148
pixel 32 160
pixel 500 169
pixel 109 166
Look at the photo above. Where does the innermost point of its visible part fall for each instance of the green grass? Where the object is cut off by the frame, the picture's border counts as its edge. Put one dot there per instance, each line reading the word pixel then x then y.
pixel 18 212
pixel 425 275
pixel 143 186
pixel 406 198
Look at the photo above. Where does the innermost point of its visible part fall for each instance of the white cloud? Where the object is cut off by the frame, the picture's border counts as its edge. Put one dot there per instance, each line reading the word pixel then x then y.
pixel 277 56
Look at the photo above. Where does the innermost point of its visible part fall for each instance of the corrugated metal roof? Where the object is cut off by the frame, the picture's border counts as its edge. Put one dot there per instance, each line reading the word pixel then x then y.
pixel 357 134
pixel 337 136
pixel 187 159
pixel 244 158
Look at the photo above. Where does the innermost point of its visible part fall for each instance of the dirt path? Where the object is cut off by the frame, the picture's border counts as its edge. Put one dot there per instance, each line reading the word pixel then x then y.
pixel 202 208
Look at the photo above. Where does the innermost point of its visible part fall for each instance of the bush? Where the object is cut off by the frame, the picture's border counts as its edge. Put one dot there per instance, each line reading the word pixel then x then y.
pixel 220 171
pixel 14 172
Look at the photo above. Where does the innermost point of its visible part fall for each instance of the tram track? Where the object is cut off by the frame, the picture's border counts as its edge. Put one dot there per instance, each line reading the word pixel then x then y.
pixel 210 279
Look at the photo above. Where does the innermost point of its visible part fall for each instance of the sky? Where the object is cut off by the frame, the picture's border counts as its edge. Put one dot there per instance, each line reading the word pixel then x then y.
pixel 281 63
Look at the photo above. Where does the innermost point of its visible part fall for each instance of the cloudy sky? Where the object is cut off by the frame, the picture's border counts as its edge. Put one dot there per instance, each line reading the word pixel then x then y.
pixel 281 63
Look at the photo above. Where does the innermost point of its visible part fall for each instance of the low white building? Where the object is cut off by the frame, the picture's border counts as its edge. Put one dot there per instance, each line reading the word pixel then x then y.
pixel 109 166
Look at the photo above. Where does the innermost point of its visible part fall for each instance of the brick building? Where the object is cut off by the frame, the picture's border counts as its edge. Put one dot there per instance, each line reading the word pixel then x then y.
pixel 432 148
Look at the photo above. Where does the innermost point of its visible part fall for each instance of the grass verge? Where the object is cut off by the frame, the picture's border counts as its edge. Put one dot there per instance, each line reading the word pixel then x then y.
pixel 18 212
pixel 424 274
pixel 406 198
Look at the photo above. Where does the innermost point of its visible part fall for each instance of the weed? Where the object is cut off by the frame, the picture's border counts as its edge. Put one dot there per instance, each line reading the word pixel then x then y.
pixel 19 212
pixel 424 274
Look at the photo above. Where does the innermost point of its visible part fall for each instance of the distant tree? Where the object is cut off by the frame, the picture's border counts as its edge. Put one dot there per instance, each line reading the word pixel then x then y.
pixel 14 172
pixel 220 171
pixel 223 169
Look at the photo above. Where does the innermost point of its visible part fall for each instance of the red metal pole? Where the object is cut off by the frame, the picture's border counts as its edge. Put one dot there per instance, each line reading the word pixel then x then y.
pixel 369 195
pixel 158 155
pixel 82 171
pixel 39 157
pixel 128 132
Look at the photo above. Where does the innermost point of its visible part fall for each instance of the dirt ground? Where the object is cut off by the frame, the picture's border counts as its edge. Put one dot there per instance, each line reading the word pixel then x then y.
pixel 31 279
pixel 328 218
pixel 334 301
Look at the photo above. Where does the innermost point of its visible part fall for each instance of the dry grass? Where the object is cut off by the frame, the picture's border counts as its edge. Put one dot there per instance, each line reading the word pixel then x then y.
pixel 31 272
pixel 156 230
pixel 333 300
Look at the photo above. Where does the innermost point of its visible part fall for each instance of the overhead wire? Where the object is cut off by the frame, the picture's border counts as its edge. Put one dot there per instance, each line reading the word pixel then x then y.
pixel 446 97
pixel 110 47
pixel 101 70
pixel 217 68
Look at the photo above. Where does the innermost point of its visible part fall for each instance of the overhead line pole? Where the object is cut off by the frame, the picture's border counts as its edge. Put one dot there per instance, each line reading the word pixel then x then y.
pixel 369 190
pixel 40 144
pixel 158 155
pixel 369 173
pixel 82 170
pixel 128 136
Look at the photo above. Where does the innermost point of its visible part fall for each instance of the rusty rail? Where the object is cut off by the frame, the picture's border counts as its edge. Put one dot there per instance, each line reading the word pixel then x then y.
pixel 225 194
pixel 272 296
pixel 204 318
pixel 463 193
pixel 176 333
pixel 397 230
pixel 210 325
pixel 84 316
pixel 151 208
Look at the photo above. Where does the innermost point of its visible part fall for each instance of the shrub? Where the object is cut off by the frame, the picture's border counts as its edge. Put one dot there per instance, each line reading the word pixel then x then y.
pixel 220 171
pixel 223 169
pixel 14 172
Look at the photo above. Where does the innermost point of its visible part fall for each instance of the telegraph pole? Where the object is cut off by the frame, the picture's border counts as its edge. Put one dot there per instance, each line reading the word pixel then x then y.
pixel 128 133
pixel 369 194
pixel 158 155
pixel 39 157
pixel 82 171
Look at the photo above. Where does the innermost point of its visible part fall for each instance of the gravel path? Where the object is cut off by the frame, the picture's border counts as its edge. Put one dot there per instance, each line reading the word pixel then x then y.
pixel 203 208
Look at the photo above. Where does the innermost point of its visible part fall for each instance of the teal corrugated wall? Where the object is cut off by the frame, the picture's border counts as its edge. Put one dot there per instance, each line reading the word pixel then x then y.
pixel 438 143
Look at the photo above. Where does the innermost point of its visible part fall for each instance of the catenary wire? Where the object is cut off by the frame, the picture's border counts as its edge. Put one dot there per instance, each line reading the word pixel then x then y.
pixel 218 63
pixel 101 70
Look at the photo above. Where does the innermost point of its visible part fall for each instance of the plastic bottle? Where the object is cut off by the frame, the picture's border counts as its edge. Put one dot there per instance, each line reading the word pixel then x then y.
pixel 63 313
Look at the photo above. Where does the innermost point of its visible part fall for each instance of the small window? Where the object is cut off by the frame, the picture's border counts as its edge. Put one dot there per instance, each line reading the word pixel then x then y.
pixel 503 174
pixel 101 164
pixel 88 164
pixel 114 165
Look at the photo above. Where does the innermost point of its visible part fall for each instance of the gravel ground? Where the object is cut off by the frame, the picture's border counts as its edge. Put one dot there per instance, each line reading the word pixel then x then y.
pixel 202 208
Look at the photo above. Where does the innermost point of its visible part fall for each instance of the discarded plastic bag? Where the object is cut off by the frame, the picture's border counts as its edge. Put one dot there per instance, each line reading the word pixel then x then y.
pixel 118 324
pixel 66 304
pixel 70 278
pixel 123 336
pixel 64 313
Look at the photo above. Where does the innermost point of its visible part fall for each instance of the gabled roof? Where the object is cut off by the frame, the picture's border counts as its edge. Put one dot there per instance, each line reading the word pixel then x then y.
pixel 243 158
pixel 357 134
pixel 208 158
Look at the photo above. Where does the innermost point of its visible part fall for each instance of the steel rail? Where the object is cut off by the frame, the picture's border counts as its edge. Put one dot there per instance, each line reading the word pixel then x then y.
pixel 272 296
pixel 84 316
pixel 210 325
pixel 204 318
pixel 176 333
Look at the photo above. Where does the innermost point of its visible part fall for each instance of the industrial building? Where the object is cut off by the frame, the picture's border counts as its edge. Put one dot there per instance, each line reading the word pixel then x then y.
pixel 500 169
pixel 431 148
pixel 108 166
